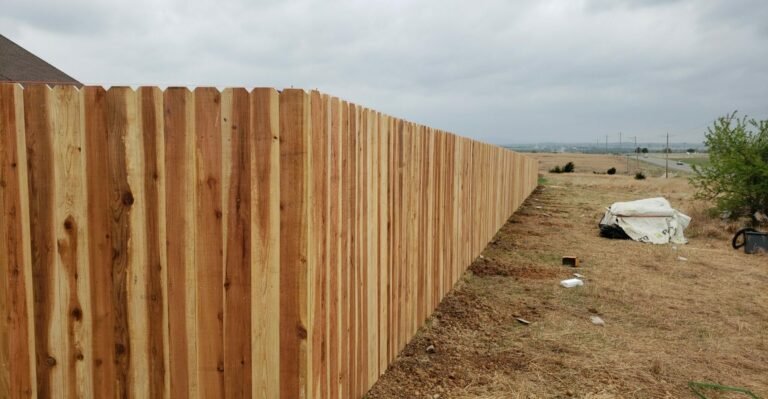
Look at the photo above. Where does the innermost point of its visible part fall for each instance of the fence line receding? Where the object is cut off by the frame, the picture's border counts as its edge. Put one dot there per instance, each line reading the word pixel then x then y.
pixel 208 244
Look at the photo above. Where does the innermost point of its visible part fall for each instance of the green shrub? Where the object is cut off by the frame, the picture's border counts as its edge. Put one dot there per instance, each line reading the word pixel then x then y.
pixel 556 169
pixel 737 175
pixel 569 167
pixel 639 176
pixel 612 171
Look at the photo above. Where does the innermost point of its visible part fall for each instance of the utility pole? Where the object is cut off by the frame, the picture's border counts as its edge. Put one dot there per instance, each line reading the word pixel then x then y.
pixel 606 144
pixel 637 155
pixel 666 168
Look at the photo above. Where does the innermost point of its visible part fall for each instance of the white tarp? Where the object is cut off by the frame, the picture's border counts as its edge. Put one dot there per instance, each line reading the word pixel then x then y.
pixel 648 220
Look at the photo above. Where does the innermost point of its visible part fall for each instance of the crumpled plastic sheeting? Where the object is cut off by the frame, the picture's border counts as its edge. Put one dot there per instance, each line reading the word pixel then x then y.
pixel 648 220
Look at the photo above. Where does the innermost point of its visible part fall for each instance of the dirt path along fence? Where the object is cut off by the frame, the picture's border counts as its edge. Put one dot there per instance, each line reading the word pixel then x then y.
pixel 207 244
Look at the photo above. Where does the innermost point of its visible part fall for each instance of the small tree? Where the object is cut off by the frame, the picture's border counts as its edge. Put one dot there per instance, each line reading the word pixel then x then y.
pixel 737 174
pixel 611 171
pixel 569 167
pixel 645 150
pixel 639 176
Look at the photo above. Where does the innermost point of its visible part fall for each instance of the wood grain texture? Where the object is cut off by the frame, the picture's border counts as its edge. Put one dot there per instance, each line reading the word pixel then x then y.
pixel 17 349
pixel 152 130
pixel 334 311
pixel 180 243
pixel 208 257
pixel 295 197
pixel 318 244
pixel 228 243
pixel 265 241
pixel 237 142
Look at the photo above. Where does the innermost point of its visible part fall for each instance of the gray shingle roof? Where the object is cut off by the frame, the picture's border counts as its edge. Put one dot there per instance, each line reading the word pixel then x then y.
pixel 19 65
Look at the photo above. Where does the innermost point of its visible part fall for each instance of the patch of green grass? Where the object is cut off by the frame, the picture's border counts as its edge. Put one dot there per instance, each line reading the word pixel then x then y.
pixel 543 181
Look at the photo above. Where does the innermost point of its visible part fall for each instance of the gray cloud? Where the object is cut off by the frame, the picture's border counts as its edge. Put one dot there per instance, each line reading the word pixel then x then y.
pixel 499 71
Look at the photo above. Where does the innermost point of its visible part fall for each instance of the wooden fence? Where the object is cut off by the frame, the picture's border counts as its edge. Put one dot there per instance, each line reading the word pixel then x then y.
pixel 206 244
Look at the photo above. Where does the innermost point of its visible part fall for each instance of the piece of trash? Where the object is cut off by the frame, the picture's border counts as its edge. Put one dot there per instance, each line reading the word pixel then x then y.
pixel 753 241
pixel 646 220
pixel 522 321
pixel 682 258
pixel 481 257
pixel 571 282
pixel 538 207
pixel 570 261
pixel 431 349
pixel 597 320
pixel 577 275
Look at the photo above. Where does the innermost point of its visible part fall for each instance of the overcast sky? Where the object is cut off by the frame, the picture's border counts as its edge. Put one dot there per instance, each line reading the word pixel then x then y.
pixel 499 71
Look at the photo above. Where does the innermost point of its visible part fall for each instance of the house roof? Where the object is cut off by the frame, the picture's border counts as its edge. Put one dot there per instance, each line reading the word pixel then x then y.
pixel 19 65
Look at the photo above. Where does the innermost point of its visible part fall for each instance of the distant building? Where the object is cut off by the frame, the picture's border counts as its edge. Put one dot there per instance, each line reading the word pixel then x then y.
pixel 21 66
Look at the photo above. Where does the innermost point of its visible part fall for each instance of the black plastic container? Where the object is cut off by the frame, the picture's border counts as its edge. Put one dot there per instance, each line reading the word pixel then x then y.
pixel 753 242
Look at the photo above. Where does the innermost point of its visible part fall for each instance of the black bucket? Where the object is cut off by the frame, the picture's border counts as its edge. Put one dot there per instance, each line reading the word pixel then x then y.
pixel 753 242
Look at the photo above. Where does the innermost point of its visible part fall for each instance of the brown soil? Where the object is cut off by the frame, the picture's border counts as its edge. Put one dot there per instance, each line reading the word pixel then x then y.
pixel 668 321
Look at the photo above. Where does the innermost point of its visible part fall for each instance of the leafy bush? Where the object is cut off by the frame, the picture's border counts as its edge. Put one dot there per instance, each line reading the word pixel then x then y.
pixel 639 176
pixel 737 175
pixel 612 171
pixel 567 168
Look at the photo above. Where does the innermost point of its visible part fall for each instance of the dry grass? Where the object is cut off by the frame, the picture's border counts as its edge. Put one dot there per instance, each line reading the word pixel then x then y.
pixel 589 163
pixel 668 321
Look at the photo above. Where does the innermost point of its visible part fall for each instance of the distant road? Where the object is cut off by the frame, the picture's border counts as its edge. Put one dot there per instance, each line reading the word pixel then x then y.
pixel 672 164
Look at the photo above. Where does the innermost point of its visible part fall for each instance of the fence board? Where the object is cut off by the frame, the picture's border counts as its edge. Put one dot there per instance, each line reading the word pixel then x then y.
pixel 265 186
pixel 180 183
pixel 17 350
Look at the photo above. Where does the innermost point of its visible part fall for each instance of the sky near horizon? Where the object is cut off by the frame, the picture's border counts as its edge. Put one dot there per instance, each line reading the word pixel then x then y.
pixel 504 72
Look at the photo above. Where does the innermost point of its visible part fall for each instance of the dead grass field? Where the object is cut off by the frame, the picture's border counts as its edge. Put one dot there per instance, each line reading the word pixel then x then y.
pixel 668 321
pixel 589 163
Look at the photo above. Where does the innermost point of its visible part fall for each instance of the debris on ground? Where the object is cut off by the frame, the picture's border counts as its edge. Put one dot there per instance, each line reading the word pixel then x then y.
pixel 650 220
pixel 753 241
pixel 682 259
pixel 522 321
pixel 597 320
pixel 431 349
pixel 570 261
pixel 571 282
pixel 578 275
